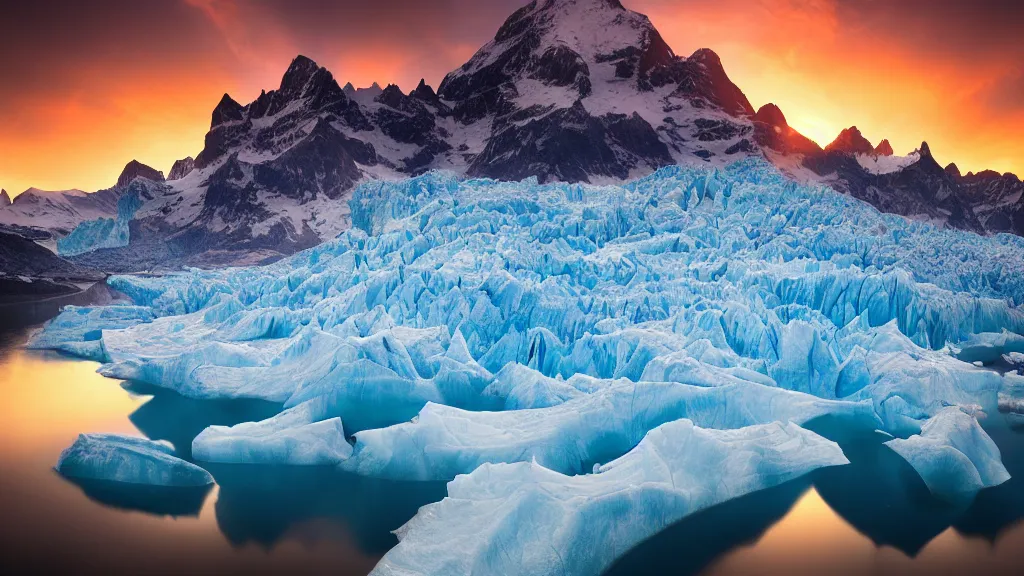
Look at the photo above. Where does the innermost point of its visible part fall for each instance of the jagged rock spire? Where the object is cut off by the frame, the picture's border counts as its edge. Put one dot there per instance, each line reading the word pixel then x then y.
pixel 850 141
pixel 136 169
pixel 181 168
pixel 883 148
pixel 227 110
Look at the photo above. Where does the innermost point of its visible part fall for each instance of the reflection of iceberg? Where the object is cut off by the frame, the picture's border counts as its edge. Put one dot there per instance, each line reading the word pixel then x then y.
pixel 881 495
pixel 261 504
pixel 464 323
pixel 696 541
pixel 176 419
pixel 158 500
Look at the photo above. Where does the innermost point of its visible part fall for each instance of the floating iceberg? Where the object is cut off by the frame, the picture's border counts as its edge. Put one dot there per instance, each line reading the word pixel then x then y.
pixel 130 460
pixel 299 436
pixel 514 332
pixel 953 455
pixel 526 519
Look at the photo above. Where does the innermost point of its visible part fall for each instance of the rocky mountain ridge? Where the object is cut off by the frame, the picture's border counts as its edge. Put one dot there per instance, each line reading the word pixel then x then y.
pixel 571 90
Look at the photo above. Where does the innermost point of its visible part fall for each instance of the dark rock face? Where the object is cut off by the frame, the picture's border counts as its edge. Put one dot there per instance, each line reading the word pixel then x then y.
pixel 569 144
pixel 998 199
pixel 923 189
pixel 181 168
pixel 322 163
pixel 703 80
pixel 582 130
pixel 20 256
pixel 227 110
pixel 135 169
pixel 772 131
pixel 560 66
pixel 5 200
pixel 850 141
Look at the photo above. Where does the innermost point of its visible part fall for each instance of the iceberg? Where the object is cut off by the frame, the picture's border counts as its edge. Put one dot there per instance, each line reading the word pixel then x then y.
pixel 520 334
pixel 129 460
pixel 953 455
pixel 526 519
pixel 297 436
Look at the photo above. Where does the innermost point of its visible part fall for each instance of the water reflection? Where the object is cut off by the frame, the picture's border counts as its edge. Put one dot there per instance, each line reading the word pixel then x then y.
pixel 874 515
pixel 882 496
pixel 178 420
pixel 693 543
pixel 157 500
pixel 263 504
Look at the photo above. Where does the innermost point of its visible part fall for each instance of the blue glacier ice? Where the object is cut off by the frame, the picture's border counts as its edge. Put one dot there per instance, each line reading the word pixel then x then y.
pixel 953 455
pixel 299 436
pixel 130 460
pixel 573 437
pixel 526 519
pixel 467 326
pixel 100 233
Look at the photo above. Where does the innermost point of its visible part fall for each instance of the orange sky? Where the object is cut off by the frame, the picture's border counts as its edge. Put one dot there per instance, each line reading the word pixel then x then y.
pixel 86 89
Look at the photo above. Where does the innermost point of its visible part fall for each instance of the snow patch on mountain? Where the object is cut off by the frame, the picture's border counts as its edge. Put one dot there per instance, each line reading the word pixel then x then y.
pixel 876 164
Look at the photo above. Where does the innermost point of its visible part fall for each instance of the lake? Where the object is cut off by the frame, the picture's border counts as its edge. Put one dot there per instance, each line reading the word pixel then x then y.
pixel 872 516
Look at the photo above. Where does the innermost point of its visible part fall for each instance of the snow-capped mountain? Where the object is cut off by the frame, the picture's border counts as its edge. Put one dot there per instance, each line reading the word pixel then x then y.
pixel 546 98
pixel 997 199
pixel 919 188
pixel 570 90
pixel 55 212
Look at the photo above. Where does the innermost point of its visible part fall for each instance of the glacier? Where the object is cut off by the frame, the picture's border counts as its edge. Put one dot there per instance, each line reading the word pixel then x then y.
pixel 518 335
pixel 130 460
pixel 91 235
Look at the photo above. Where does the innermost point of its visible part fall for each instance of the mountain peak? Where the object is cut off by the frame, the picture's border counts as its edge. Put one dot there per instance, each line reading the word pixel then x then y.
pixel 707 57
pixel 771 115
pixel 136 169
pixel 5 200
pixel 925 150
pixel 953 170
pixel 423 91
pixel 181 168
pixel 227 110
pixel 298 74
pixel 850 141
pixel 772 130
pixel 883 148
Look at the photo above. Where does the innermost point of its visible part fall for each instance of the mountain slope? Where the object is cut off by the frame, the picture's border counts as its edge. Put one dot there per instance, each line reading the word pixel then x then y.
pixel 570 90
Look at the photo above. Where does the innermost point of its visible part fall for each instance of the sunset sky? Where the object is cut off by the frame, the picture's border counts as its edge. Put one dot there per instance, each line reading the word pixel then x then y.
pixel 87 86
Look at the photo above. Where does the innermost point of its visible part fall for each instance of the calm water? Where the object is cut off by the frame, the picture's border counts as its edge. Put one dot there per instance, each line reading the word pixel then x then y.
pixel 874 516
